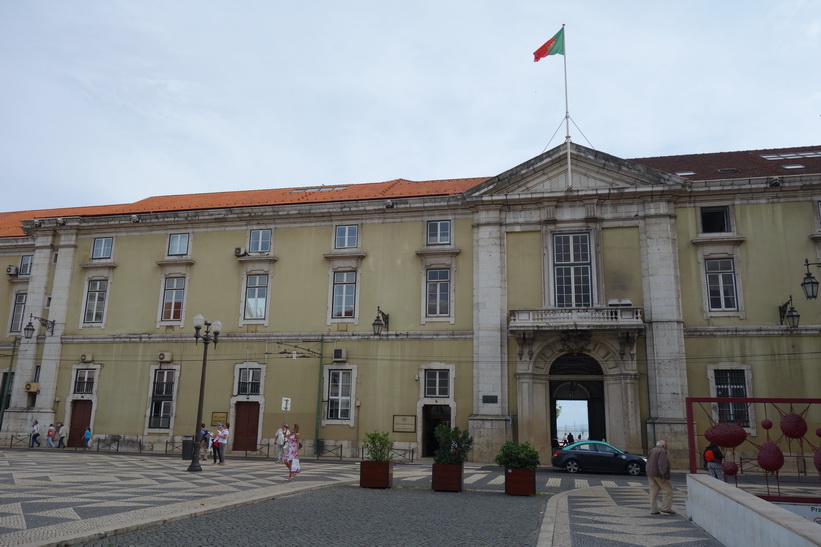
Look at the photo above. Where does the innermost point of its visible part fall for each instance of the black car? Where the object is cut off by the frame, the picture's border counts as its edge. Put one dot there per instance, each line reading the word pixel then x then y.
pixel 597 456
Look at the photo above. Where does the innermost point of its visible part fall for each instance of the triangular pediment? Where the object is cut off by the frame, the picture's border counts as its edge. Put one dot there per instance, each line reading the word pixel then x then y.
pixel 591 172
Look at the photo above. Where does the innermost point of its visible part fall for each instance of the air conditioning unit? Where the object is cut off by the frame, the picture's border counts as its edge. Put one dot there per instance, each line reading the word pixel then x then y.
pixel 239 251
pixel 86 358
pixel 11 270
pixel 165 357
pixel 340 355
pixel 32 387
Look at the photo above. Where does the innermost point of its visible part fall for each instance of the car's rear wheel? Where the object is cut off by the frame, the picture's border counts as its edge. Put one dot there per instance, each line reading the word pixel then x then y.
pixel 571 466
pixel 634 469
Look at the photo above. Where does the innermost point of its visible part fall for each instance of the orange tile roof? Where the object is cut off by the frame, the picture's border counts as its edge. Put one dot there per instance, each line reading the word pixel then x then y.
pixel 10 223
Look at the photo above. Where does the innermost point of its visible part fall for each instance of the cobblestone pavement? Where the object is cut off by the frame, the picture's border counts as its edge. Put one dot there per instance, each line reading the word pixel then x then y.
pixel 56 497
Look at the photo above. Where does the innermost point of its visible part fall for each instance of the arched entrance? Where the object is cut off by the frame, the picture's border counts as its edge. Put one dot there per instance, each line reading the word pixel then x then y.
pixel 578 378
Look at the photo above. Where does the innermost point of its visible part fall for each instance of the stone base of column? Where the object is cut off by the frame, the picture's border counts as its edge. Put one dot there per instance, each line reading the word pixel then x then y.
pixel 674 431
pixel 18 421
pixel 489 434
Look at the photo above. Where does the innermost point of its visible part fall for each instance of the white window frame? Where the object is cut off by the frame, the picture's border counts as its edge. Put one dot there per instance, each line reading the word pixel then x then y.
pixel 719 277
pixel 328 371
pixel 346 236
pixel 163 289
pixel 89 376
pixel 260 241
pixel 175 246
pixel 255 373
pixel 25 265
pixel 748 384
pixel 88 301
pixel 344 286
pixel 437 375
pixel 437 284
pixel 18 312
pixel 256 288
pixel 435 235
pixel 102 248
pixel 728 218
pixel 575 266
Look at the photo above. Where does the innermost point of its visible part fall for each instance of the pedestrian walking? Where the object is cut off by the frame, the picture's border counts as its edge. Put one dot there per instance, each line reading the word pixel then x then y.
pixel 62 433
pixel 291 455
pixel 215 443
pixel 570 439
pixel 35 434
pixel 713 456
pixel 658 476
pixel 50 436
pixel 87 438
pixel 564 440
pixel 280 442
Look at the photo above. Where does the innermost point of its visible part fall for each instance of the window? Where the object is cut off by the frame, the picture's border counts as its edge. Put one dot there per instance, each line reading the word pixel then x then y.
pixel 249 381
pixel 347 237
pixel 162 399
pixel 572 270
pixel 732 383
pixel 163 383
pixel 344 294
pixel 173 295
pixel 177 244
pixel 339 395
pixel 84 381
pixel 438 232
pixel 715 220
pixel 160 414
pixel 25 265
pixel 438 293
pixel 95 300
pixel 18 312
pixel 437 383
pixel 102 247
pixel 260 241
pixel 256 296
pixel 721 284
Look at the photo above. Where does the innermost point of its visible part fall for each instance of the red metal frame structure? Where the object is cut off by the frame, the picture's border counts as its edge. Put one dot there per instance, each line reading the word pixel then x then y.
pixel 691 403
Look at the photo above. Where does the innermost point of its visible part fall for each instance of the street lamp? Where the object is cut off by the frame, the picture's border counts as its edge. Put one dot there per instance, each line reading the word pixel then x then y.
pixel 790 315
pixel 29 330
pixel 212 332
pixel 810 283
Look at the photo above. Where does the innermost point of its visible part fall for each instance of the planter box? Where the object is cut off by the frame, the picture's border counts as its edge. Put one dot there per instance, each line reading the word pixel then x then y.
pixel 376 474
pixel 448 477
pixel 520 482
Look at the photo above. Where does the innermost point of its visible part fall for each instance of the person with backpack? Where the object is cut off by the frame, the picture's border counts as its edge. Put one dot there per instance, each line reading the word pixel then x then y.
pixel 712 460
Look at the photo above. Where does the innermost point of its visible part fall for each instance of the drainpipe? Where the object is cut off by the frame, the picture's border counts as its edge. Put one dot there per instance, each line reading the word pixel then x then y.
pixel 319 397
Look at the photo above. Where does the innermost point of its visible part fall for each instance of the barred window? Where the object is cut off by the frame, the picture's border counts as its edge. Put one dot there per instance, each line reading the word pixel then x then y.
pixel 732 383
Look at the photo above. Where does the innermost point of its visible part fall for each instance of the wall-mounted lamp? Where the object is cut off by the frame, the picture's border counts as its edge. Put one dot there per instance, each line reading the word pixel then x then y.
pixel 28 332
pixel 790 315
pixel 382 321
pixel 810 283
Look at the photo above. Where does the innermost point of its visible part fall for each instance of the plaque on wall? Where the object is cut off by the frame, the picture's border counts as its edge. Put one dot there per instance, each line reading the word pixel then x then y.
pixel 404 424
pixel 218 418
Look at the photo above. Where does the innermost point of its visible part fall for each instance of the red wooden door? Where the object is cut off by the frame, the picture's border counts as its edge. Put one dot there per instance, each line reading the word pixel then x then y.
pixel 80 420
pixel 246 427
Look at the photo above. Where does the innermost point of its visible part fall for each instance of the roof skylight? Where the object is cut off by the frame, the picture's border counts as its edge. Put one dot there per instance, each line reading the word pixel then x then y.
pixel 318 189
pixel 792 155
pixel 685 173
pixel 793 166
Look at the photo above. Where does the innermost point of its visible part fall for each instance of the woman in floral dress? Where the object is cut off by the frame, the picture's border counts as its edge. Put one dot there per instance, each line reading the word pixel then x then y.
pixel 293 451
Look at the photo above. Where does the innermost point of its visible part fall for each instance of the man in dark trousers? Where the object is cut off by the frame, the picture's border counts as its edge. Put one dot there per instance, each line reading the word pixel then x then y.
pixel 658 475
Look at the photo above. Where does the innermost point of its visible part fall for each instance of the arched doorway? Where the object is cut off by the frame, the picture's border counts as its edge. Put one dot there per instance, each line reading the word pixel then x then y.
pixel 578 378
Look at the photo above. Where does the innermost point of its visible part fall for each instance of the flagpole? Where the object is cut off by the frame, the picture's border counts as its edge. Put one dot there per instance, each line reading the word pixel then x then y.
pixel 566 113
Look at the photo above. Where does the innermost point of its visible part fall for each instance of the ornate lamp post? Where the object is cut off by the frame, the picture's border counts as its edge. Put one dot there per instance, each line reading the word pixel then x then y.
pixel 212 332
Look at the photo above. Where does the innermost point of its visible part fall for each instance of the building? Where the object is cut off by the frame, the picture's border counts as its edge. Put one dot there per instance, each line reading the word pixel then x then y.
pixel 631 284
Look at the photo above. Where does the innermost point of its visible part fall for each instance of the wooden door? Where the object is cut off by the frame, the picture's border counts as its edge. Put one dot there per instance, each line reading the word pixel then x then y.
pixel 246 428
pixel 80 420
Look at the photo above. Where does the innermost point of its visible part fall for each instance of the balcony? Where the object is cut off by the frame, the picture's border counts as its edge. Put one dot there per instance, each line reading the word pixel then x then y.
pixel 608 318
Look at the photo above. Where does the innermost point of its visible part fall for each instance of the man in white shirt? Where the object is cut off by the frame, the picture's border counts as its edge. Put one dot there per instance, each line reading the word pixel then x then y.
pixel 35 434
pixel 281 433
pixel 223 436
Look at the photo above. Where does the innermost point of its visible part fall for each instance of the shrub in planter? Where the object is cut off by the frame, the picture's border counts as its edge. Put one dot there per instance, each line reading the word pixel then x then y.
pixel 376 471
pixel 520 461
pixel 449 458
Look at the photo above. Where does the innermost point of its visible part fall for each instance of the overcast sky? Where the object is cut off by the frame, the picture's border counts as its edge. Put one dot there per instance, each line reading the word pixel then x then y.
pixel 106 101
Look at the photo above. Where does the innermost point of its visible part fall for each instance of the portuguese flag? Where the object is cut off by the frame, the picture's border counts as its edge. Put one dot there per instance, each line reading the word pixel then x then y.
pixel 554 46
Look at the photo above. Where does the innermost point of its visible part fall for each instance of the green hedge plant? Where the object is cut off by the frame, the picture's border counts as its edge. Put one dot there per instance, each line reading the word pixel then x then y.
pixel 378 446
pixel 454 445
pixel 517 456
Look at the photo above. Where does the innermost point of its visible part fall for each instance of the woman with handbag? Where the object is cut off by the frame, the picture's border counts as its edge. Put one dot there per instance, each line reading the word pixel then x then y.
pixel 291 459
